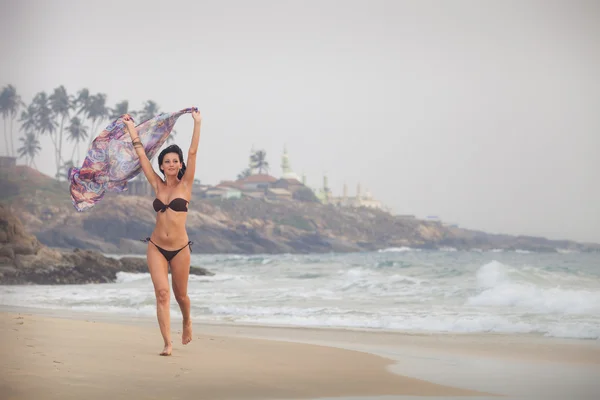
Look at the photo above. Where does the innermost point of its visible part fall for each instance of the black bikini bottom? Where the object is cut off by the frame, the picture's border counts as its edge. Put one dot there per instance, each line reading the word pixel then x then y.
pixel 168 254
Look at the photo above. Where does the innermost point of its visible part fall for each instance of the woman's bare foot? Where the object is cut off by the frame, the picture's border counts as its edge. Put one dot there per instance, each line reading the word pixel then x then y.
pixel 186 337
pixel 167 350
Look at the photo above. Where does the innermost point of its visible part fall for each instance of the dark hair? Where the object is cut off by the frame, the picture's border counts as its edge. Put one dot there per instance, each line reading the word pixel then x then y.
pixel 172 149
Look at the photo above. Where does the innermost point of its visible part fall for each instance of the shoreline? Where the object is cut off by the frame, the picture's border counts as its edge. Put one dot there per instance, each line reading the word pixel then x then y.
pixel 53 357
pixel 446 364
pixel 124 317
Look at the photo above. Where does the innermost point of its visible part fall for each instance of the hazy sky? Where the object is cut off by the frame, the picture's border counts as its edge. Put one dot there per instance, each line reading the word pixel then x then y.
pixel 486 113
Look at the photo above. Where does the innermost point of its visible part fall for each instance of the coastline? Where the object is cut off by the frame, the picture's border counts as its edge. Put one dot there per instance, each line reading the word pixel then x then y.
pixel 269 362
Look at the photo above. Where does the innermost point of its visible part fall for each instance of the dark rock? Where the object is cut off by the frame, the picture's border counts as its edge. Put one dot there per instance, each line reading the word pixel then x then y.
pixel 23 260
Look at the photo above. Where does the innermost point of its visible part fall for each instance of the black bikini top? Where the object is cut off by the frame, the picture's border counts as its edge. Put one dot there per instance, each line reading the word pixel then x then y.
pixel 177 204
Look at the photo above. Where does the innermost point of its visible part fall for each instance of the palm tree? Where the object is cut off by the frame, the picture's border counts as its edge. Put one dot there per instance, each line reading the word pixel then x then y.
pixel 10 102
pixel 14 104
pixel 244 174
pixel 4 112
pixel 82 102
pixel 28 119
pixel 31 147
pixel 119 109
pixel 171 136
pixel 259 161
pixel 77 133
pixel 61 104
pixel 150 110
pixel 44 119
pixel 97 112
pixel 43 115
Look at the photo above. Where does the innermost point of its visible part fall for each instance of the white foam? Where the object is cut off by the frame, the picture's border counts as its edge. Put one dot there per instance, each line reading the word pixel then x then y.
pixel 395 250
pixel 395 289
pixel 448 249
pixel 499 290
pixel 491 274
pixel 319 317
pixel 123 277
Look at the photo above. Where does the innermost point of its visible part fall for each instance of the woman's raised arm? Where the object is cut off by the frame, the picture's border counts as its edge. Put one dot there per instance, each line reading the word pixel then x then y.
pixel 151 175
pixel 190 170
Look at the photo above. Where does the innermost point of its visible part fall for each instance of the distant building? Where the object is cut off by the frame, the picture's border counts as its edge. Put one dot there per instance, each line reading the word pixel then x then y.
pixel 257 182
pixel 222 193
pixel 286 168
pixel 279 194
pixel 290 184
pixel 260 186
pixel 360 200
pixel 324 193
pixel 138 186
pixel 230 184
pixel 199 189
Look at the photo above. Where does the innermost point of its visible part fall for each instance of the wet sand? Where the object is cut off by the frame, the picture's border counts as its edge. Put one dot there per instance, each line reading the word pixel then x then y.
pixel 48 357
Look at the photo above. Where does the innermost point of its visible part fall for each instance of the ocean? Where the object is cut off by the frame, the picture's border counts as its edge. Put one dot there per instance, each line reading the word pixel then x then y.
pixel 398 289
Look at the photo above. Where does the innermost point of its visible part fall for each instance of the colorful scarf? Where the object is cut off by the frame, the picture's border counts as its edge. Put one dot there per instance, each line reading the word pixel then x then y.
pixel 111 160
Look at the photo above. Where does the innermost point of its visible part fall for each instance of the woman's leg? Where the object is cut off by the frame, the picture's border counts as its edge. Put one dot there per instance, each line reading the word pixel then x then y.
pixel 159 271
pixel 180 272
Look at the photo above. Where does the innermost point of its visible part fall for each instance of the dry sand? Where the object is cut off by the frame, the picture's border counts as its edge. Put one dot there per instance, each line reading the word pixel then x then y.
pixel 46 357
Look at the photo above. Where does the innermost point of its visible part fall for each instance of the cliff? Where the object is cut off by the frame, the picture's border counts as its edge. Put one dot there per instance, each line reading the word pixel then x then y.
pixel 119 222
pixel 24 260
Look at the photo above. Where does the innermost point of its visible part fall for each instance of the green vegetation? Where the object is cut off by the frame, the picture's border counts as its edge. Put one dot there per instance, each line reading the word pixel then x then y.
pixel 305 194
pixel 75 118
pixel 258 162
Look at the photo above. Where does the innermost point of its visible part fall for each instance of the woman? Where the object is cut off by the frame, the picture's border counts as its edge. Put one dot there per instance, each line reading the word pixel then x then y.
pixel 169 243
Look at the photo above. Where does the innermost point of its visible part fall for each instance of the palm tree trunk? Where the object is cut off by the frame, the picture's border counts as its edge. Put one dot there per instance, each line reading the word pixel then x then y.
pixel 91 134
pixel 75 145
pixel 12 137
pixel 60 141
pixel 6 138
pixel 53 139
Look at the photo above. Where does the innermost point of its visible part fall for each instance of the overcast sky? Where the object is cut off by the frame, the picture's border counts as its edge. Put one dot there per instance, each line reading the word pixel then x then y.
pixel 485 113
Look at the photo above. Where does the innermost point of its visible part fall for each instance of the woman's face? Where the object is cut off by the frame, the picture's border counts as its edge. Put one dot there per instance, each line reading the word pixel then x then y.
pixel 171 164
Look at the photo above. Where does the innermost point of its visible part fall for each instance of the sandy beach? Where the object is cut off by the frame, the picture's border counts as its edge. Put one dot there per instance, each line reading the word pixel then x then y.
pixel 50 356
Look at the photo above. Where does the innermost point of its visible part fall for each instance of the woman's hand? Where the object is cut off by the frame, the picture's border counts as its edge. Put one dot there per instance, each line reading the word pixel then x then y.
pixel 196 115
pixel 128 122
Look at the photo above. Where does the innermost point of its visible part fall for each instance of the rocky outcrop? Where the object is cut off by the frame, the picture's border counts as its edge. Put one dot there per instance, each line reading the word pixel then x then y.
pixel 246 226
pixel 24 260
pixel 254 226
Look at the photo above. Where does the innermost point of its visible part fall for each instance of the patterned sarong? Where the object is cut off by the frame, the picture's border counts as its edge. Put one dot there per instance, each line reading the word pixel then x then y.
pixel 111 160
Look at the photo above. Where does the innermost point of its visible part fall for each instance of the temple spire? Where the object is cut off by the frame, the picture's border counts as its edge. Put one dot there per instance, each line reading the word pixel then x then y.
pixel 285 163
pixel 286 168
